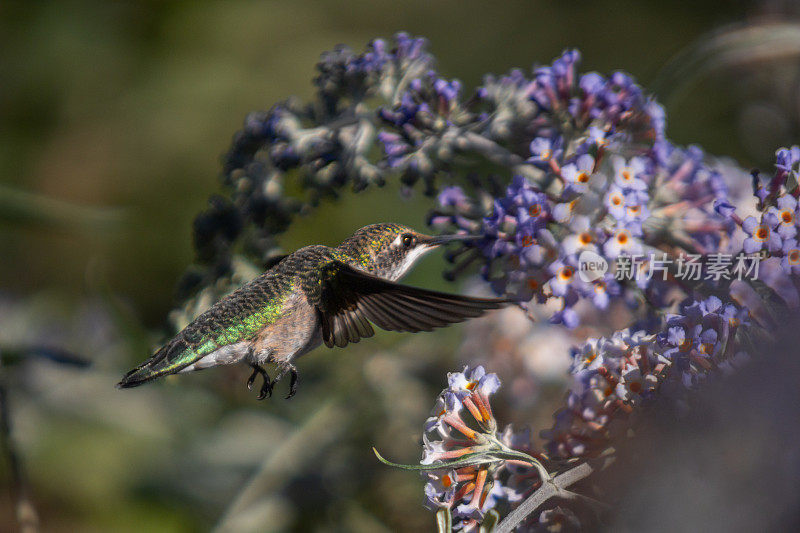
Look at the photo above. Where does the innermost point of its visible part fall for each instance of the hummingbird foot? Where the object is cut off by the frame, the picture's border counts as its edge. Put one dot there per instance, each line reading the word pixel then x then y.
pixel 288 368
pixel 266 388
pixel 292 383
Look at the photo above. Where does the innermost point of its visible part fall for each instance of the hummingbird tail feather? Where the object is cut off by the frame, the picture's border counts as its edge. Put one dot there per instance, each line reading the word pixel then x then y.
pixel 170 359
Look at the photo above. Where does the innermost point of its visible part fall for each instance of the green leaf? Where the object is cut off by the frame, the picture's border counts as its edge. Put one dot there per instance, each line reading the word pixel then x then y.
pixel 470 459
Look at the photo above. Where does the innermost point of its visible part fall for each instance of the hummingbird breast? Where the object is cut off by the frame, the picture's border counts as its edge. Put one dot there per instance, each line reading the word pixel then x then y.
pixel 295 333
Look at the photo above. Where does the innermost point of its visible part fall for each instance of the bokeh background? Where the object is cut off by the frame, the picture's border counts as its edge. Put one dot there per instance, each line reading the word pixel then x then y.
pixel 113 118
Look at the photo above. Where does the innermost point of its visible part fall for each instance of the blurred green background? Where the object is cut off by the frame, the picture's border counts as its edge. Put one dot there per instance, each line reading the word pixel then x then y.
pixel 113 118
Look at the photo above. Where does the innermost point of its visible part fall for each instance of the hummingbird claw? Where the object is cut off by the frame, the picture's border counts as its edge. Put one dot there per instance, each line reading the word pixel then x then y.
pixel 269 384
pixel 252 379
pixel 266 388
pixel 292 383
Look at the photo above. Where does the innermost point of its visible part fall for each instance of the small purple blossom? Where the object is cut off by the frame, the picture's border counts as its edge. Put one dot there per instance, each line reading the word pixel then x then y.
pixel 786 159
pixel 786 214
pixel 577 175
pixel 762 234
pixel 790 261
pixel 543 150
pixel 447 90
pixel 630 173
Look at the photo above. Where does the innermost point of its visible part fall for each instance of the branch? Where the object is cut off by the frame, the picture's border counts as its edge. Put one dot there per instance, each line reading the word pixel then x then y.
pixel 27 518
pixel 555 487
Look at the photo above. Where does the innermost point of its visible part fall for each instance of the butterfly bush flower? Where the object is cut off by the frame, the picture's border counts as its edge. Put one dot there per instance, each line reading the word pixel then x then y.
pixel 578 174
pixel 772 232
pixel 577 177
pixel 785 216
pixel 544 150
pixel 614 375
pixel 630 173
pixel 761 234
pixel 790 262
pixel 470 466
pixel 787 160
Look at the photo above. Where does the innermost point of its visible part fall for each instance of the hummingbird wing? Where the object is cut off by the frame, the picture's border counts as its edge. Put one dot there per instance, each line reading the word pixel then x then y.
pixel 351 299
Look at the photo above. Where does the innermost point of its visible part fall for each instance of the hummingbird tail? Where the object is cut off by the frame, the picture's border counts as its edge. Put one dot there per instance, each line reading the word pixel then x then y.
pixel 170 359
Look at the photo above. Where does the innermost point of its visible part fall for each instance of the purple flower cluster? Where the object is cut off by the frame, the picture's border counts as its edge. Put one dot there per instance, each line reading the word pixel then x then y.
pixel 346 78
pixel 425 125
pixel 773 230
pixel 479 466
pixel 612 376
pixel 599 177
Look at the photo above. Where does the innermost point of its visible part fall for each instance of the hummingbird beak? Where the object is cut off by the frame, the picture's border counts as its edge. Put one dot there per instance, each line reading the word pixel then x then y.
pixel 438 240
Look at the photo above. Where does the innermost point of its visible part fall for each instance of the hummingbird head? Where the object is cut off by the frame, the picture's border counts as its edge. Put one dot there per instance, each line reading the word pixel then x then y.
pixel 390 250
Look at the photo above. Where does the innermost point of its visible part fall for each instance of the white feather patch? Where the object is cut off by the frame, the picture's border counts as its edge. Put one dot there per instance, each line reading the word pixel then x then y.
pixel 409 261
pixel 226 355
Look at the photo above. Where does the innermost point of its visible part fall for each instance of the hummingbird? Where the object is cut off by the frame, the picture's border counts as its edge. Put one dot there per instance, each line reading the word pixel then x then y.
pixel 315 295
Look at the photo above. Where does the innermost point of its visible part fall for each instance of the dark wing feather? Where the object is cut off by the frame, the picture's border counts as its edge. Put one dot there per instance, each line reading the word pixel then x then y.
pixel 351 299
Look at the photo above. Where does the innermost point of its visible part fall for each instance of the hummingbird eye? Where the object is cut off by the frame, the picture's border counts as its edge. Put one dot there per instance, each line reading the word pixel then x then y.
pixel 408 240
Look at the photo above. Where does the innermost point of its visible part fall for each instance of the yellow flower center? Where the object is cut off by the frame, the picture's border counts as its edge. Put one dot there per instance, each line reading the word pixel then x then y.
pixel 599 287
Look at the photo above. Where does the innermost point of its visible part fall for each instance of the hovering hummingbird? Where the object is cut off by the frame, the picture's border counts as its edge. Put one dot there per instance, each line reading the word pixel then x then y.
pixel 315 295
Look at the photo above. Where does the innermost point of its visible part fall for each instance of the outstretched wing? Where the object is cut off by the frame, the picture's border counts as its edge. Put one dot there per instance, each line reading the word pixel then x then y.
pixel 350 300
